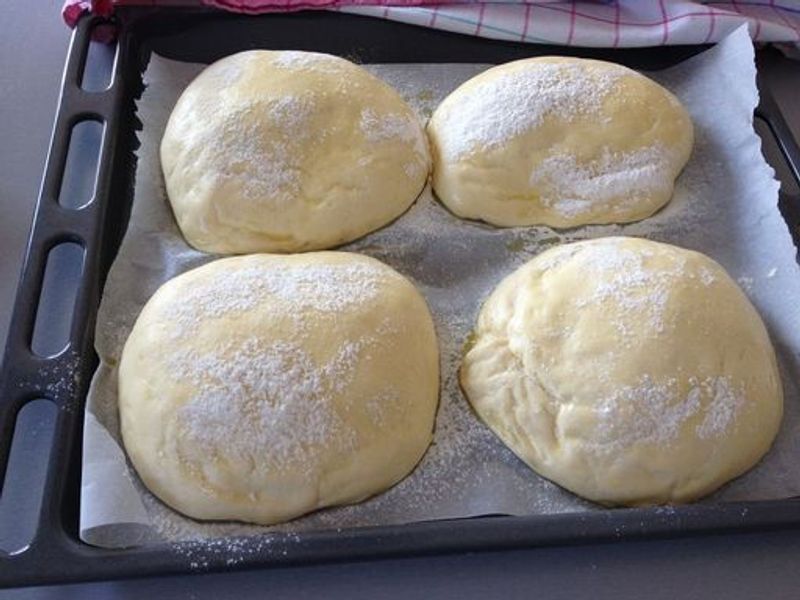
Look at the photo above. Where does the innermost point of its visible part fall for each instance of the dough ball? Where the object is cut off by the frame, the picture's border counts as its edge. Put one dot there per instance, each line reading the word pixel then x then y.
pixel 560 142
pixel 262 387
pixel 627 371
pixel 289 151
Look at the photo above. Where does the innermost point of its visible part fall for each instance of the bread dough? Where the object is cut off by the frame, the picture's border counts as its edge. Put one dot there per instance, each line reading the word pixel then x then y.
pixel 627 371
pixel 288 151
pixel 558 141
pixel 262 387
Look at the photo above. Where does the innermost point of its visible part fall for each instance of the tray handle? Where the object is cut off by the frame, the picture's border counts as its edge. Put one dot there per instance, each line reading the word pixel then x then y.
pixel 26 376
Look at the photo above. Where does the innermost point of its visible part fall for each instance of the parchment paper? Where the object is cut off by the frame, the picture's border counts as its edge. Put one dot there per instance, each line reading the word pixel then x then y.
pixel 725 205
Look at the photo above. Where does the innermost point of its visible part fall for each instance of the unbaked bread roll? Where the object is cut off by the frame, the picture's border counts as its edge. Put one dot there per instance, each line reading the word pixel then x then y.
pixel 627 371
pixel 262 387
pixel 560 142
pixel 289 151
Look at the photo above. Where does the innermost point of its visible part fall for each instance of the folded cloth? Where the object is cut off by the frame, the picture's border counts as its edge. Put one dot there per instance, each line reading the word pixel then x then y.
pixel 624 23
pixel 262 6
pixel 621 23
pixel 73 9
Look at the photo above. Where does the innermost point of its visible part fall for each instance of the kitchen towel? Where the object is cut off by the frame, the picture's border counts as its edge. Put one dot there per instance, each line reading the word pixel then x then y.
pixel 621 23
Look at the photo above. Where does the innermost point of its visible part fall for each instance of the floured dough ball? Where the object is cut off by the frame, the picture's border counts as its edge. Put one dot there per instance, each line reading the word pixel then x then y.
pixel 627 371
pixel 560 142
pixel 289 151
pixel 262 387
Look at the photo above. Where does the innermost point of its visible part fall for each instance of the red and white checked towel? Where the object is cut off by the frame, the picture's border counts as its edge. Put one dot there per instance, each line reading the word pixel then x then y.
pixel 621 23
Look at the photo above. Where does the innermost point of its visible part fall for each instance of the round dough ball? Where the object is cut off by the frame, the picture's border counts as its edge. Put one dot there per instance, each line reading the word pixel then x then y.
pixel 560 142
pixel 262 387
pixel 627 371
pixel 289 151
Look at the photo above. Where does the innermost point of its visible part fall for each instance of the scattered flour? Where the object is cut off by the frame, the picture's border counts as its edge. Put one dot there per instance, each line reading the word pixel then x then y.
pixel 707 277
pixel 725 404
pixel 265 404
pixel 653 412
pixel 648 412
pixel 630 288
pixel 378 128
pixel 64 378
pixel 311 61
pixel 200 554
pixel 226 72
pixel 411 169
pixel 500 109
pixel 746 283
pixel 256 147
pixel 382 407
pixel 381 128
pixel 324 288
pixel 615 181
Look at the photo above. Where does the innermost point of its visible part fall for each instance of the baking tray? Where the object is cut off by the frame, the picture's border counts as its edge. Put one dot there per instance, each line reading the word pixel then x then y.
pixel 56 553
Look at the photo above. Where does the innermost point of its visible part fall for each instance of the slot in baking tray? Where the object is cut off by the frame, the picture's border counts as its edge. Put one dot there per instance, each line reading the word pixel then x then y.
pixel 56 553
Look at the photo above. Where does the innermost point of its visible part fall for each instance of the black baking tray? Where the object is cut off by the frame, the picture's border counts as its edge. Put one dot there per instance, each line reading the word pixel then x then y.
pixel 56 553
